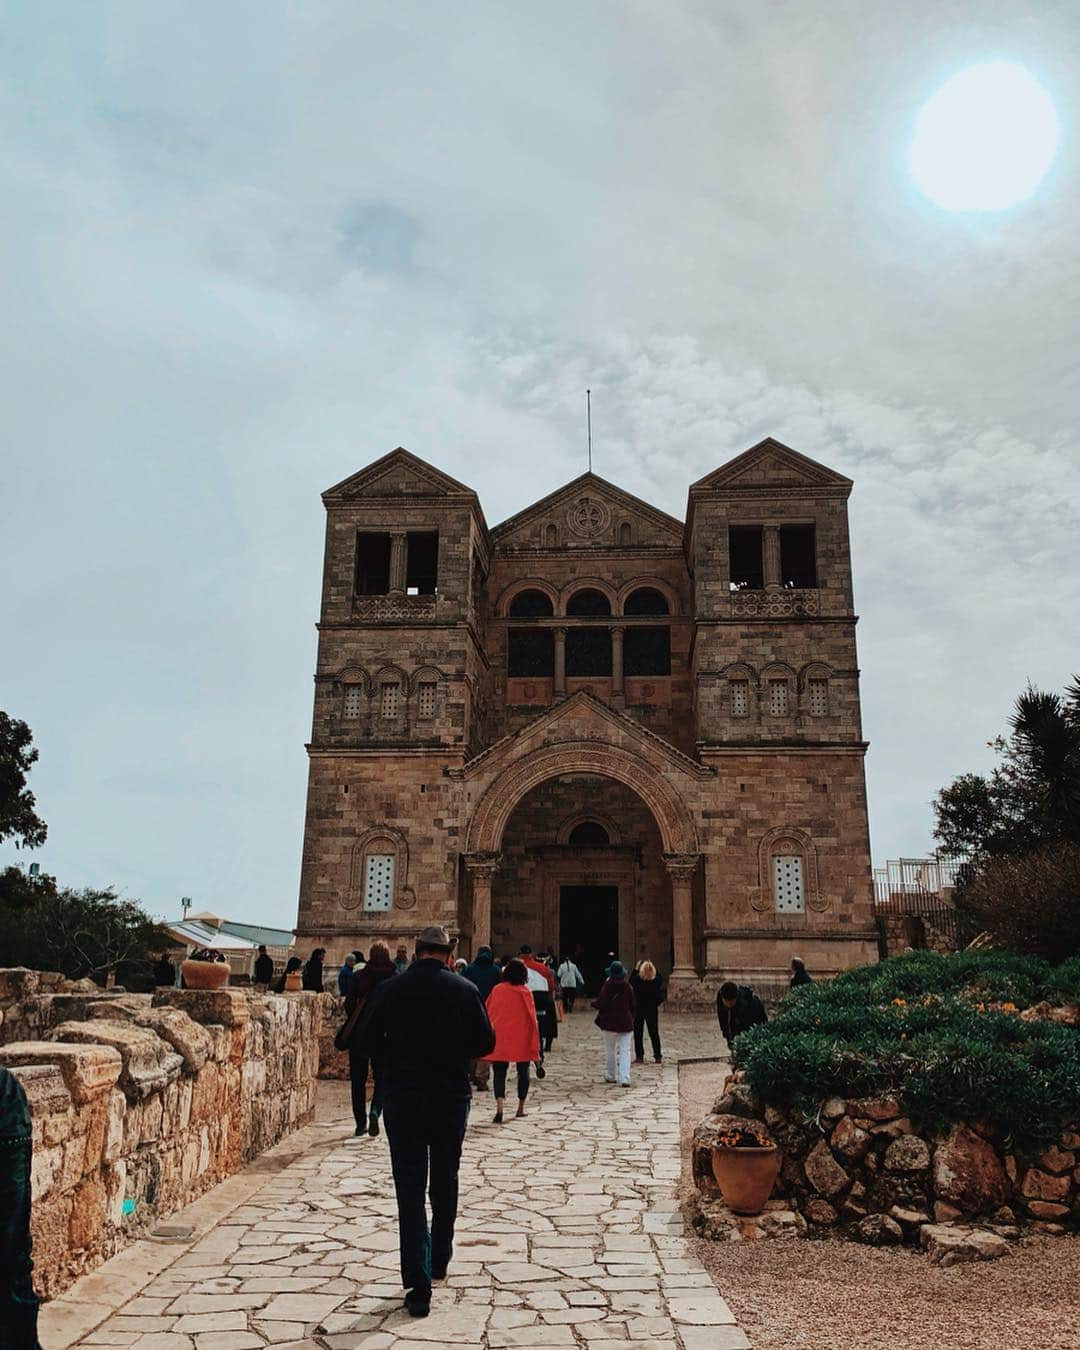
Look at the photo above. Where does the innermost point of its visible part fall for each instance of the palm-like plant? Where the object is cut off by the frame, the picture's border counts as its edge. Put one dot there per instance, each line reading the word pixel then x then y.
pixel 1047 729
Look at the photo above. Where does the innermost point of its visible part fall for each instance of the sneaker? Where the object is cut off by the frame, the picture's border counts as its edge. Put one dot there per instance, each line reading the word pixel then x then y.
pixel 418 1302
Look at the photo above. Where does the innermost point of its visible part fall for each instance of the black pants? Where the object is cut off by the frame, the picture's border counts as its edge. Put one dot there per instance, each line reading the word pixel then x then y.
pixel 499 1068
pixel 425 1153
pixel 649 1018
pixel 358 1076
pixel 568 996
pixel 541 1003
pixel 18 1303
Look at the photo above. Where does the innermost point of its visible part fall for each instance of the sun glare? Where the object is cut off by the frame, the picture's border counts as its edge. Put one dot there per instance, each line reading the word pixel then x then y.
pixel 985 140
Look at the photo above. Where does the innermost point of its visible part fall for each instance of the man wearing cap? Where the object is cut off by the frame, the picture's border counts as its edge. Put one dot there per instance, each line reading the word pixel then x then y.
pixel 426 1025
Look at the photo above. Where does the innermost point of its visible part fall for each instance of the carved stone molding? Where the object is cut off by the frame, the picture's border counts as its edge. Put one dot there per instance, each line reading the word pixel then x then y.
pixel 773 604
pixel 588 517
pixel 681 866
pixel 394 607
pixel 483 864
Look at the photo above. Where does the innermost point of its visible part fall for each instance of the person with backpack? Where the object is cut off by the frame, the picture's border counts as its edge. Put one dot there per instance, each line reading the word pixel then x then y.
pixel 615 1017
pixel 362 985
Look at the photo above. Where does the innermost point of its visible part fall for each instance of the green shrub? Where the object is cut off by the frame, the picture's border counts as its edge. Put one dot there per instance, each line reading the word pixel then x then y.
pixel 932 1029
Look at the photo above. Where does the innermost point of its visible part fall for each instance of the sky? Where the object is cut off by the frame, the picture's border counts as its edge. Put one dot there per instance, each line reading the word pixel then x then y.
pixel 251 247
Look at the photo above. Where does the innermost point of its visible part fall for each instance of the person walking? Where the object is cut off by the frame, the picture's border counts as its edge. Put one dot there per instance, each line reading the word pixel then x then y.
pixel 615 1018
pixel 799 974
pixel 650 992
pixel 426 1026
pixel 570 981
pixel 263 971
pixel 541 981
pixel 313 971
pixel 738 1009
pixel 345 974
pixel 362 984
pixel 485 973
pixel 512 1012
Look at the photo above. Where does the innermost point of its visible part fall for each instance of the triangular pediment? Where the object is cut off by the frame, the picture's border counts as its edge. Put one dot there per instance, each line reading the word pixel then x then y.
pixel 772 465
pixel 398 474
pixel 588 512
pixel 582 718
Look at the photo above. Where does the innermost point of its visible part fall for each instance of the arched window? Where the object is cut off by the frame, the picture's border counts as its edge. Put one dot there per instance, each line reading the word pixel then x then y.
pixel 391 703
pixel 817 695
pixel 530 651
pixel 739 692
pixel 353 705
pixel 626 533
pixel 380 866
pixel 588 652
pixel 589 604
pixel 589 834
pixel 531 605
pixel 647 651
pixel 551 536
pixel 645 600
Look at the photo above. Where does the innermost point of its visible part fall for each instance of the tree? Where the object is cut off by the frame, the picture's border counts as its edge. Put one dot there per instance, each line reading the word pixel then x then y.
pixel 81 933
pixel 1029 904
pixel 1031 799
pixel 18 818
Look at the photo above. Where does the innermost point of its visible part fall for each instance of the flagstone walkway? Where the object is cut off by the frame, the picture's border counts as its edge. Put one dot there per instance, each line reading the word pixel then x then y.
pixel 568 1234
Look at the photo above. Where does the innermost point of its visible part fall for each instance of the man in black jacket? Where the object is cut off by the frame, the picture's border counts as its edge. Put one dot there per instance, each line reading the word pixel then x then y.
pixel 737 1010
pixel 426 1025
pixel 485 973
pixel 264 967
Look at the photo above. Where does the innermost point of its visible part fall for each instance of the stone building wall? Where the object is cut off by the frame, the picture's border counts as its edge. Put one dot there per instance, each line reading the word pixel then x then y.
pixel 142 1102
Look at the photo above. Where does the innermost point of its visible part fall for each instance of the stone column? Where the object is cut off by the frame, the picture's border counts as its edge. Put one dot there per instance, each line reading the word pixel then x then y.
pixel 560 662
pixel 770 547
pixel 616 662
pixel 482 868
pixel 681 868
pixel 398 546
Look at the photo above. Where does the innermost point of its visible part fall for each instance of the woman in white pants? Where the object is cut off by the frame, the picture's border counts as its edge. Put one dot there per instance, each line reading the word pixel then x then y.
pixel 615 1017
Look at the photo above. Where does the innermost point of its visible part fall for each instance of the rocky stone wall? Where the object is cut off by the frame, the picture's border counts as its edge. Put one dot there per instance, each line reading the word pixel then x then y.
pixel 861 1169
pixel 142 1102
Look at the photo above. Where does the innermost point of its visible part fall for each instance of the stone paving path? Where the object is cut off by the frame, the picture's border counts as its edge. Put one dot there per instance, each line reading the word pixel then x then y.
pixel 569 1234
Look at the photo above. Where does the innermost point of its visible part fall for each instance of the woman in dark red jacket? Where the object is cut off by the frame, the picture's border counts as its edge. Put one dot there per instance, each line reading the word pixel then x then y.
pixel 362 985
pixel 615 1018
pixel 512 1012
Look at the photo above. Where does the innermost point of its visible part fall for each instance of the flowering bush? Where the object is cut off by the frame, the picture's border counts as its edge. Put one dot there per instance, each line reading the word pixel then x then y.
pixel 942 1032
pixel 743 1136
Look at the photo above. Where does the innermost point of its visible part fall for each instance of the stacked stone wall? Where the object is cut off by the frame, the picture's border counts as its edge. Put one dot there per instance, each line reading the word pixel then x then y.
pixel 860 1168
pixel 142 1102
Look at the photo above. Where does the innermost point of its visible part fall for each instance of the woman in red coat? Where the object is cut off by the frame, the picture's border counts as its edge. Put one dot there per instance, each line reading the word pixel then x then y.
pixel 512 1011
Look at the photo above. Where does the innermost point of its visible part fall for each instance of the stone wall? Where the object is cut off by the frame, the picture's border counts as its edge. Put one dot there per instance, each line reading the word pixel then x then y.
pixel 142 1102
pixel 860 1168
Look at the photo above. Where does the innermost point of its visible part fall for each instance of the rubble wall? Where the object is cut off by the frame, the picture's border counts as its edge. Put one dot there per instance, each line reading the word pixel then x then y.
pixel 142 1102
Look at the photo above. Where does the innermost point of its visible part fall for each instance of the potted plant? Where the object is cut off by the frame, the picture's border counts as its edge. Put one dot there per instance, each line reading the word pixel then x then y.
pixel 745 1162
pixel 205 969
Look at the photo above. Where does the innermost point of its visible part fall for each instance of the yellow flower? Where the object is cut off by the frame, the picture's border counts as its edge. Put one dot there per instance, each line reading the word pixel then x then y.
pixel 1008 1007
pixel 899 1002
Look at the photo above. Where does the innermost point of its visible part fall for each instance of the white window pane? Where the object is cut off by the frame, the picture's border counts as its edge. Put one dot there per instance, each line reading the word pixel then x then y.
pixel 426 701
pixel 819 697
pixel 740 698
pixel 379 881
pixel 390 700
pixel 788 884
pixel 778 697
pixel 353 696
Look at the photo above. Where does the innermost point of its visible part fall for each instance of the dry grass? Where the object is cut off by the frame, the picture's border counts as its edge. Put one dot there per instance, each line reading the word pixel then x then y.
pixel 824 1295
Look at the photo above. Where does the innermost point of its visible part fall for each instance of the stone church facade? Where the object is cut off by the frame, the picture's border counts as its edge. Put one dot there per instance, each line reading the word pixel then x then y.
pixel 593 727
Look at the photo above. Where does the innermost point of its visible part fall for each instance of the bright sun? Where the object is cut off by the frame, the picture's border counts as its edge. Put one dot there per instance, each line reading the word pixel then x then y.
pixel 985 140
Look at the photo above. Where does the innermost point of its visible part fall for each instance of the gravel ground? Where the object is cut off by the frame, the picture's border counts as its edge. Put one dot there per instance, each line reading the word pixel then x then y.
pixel 821 1295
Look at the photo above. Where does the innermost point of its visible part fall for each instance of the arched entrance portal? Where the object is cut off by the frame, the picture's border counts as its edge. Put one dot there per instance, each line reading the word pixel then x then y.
pixel 582 872
pixel 536 804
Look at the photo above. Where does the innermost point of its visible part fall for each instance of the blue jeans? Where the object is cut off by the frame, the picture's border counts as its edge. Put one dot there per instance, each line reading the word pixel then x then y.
pixel 425 1153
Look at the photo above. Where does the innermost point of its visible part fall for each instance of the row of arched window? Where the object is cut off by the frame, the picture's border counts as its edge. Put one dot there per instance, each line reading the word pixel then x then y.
pixel 389 696
pixel 778 691
pixel 587 602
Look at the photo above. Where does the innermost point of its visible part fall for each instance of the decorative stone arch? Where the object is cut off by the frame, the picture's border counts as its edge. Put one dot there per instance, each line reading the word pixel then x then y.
pixel 652 584
pixel 814 670
pixel 585 584
pixel 425 675
pixel 626 533
pixel 739 670
pixel 787 839
pixel 740 673
pixel 776 670
pixel 570 824
pixel 387 674
pixel 497 804
pixel 506 598
pixel 352 675
pixel 380 839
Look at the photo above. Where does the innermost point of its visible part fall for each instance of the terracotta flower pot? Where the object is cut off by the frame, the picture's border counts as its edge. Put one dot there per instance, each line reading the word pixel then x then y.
pixel 746 1176
pixel 204 974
